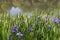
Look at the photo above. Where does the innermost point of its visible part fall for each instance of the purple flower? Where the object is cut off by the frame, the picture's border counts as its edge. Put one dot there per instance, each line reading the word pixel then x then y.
pixel 55 20
pixel 15 29
pixel 20 35
pixel 30 29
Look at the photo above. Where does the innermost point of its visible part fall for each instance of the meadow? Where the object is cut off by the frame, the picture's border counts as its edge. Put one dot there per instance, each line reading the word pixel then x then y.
pixel 35 27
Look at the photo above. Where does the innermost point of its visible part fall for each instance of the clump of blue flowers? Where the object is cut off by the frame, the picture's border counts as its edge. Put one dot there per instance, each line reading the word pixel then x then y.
pixel 55 20
pixel 15 29
pixel 20 35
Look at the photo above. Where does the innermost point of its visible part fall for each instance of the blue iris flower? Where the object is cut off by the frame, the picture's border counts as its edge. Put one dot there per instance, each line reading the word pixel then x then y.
pixel 15 29
pixel 20 35
pixel 55 20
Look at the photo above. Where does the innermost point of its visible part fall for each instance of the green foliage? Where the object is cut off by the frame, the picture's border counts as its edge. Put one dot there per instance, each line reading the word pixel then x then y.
pixel 41 31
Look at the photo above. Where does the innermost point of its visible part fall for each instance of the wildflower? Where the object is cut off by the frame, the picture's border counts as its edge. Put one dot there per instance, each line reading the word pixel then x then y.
pixel 14 11
pixel 30 29
pixel 55 20
pixel 20 35
pixel 15 29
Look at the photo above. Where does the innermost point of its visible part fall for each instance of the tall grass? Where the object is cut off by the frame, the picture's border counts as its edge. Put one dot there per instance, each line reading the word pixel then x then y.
pixel 35 27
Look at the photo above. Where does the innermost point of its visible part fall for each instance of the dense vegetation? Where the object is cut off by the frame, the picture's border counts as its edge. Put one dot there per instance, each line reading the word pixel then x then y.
pixel 42 24
pixel 35 27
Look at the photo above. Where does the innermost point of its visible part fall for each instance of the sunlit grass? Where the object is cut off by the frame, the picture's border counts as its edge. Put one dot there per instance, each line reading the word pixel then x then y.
pixel 42 28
